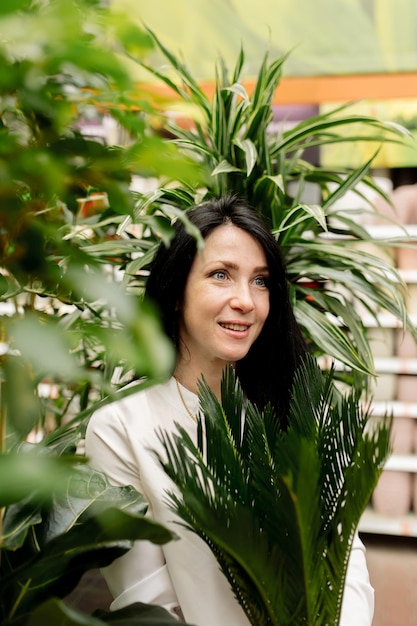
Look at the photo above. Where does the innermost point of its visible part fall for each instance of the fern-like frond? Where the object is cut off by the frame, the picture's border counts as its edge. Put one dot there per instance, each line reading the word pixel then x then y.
pixel 279 509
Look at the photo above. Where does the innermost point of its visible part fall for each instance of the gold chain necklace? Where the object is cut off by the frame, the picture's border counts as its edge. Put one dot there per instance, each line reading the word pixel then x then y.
pixel 190 413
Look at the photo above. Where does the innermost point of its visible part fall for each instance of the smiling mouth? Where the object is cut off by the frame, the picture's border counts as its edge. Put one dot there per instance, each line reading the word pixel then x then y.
pixel 238 327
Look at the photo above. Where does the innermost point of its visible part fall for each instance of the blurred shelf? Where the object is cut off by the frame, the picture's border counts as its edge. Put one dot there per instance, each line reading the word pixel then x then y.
pixel 374 523
pixel 395 408
pixel 380 320
pixel 385 320
pixel 402 463
pixel 391 231
pixel 383 365
pixel 409 276
pixel 395 365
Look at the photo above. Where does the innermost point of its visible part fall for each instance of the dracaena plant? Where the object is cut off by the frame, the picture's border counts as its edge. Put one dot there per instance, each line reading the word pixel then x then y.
pixel 229 134
pixel 279 509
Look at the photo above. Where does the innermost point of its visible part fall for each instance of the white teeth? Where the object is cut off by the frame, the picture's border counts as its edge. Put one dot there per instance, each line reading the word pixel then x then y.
pixel 235 326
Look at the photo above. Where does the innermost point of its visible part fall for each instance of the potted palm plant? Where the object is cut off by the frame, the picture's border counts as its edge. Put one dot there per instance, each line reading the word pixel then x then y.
pixel 279 509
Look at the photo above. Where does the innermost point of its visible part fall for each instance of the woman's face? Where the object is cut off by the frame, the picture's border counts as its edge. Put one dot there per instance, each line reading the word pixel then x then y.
pixel 226 299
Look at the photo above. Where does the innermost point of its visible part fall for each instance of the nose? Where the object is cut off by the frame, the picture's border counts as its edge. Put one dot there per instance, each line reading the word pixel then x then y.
pixel 242 299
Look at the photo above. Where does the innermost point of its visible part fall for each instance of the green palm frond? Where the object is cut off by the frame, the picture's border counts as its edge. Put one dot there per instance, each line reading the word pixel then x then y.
pixel 279 509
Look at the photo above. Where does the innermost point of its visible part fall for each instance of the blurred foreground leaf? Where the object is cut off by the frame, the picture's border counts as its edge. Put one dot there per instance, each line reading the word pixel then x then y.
pixel 32 474
pixel 52 545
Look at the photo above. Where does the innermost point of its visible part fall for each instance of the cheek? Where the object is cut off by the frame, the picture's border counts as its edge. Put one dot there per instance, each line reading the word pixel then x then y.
pixel 264 309
pixel 197 305
pixel 262 314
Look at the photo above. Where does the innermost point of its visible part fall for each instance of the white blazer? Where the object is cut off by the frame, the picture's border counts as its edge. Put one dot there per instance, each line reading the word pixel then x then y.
pixel 120 441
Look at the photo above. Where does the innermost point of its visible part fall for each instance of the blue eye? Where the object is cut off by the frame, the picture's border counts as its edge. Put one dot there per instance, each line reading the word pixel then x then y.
pixel 220 275
pixel 260 281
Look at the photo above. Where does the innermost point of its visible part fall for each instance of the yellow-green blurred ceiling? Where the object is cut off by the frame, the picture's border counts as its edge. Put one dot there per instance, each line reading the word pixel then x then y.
pixel 324 37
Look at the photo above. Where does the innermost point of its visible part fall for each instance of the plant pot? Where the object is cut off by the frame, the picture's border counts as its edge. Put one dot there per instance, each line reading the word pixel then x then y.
pixel 393 493
pixel 407 388
pixel 407 258
pixel 403 433
pixel 406 346
pixel 92 204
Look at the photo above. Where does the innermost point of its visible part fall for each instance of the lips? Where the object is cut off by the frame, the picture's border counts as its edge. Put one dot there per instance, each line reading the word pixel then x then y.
pixel 234 326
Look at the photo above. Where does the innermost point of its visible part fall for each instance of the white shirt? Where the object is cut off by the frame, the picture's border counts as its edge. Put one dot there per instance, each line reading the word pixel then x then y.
pixel 120 441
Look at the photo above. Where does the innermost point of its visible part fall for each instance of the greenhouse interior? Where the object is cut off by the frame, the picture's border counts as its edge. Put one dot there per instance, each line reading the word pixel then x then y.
pixel 287 495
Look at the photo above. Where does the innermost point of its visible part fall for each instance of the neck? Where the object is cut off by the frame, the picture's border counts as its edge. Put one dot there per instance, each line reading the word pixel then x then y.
pixel 188 376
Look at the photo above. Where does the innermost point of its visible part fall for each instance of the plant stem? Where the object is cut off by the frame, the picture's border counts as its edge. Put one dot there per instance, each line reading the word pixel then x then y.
pixel 19 598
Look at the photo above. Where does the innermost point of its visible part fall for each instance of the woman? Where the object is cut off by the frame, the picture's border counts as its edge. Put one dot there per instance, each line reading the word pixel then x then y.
pixel 227 304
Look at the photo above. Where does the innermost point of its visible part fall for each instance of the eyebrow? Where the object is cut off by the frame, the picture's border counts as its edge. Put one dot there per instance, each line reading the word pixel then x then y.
pixel 234 266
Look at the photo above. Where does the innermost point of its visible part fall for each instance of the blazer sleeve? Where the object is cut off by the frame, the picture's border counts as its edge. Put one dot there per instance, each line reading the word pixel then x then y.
pixel 141 574
pixel 358 598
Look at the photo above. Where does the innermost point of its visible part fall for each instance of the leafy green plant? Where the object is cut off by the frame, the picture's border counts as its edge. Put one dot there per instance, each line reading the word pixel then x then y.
pixel 49 543
pixel 61 315
pixel 331 276
pixel 70 330
pixel 279 509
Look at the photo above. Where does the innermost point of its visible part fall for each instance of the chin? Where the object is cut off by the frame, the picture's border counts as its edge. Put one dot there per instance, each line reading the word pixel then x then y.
pixel 235 357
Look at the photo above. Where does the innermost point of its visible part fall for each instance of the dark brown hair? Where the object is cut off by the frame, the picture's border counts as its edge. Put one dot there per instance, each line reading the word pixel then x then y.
pixel 266 372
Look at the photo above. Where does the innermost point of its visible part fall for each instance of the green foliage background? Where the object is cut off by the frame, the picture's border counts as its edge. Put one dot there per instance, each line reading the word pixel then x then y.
pixel 67 322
